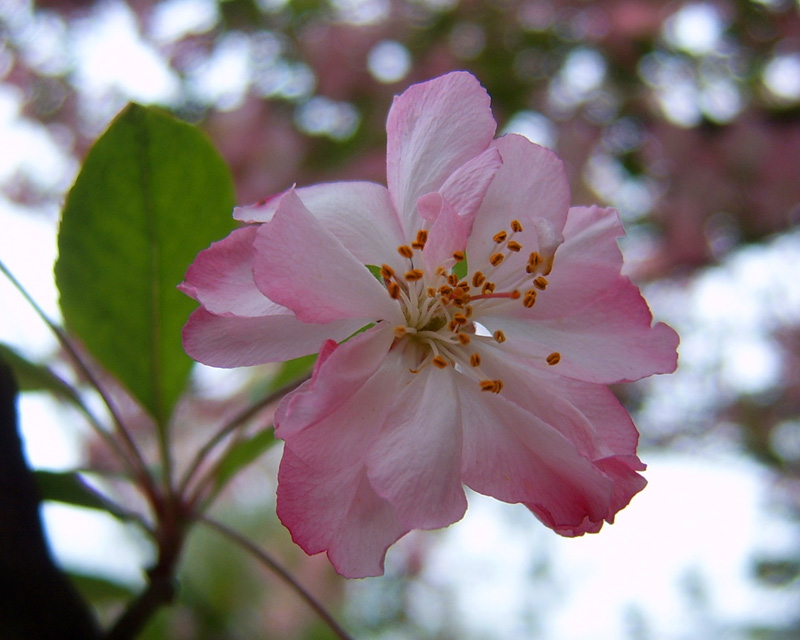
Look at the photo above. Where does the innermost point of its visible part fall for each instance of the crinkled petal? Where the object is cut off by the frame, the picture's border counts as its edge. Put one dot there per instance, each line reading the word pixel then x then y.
pixel 415 462
pixel 303 266
pixel 338 512
pixel 595 318
pixel 447 234
pixel 467 185
pixel 514 456
pixel 234 341
pixel 531 187
pixel 433 128
pixel 221 278
pixel 359 214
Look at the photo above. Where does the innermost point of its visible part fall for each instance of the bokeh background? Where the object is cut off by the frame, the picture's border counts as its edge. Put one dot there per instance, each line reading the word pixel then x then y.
pixel 684 115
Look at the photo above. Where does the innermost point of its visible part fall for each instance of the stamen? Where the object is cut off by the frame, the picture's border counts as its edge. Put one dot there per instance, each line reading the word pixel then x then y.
pixel 488 287
pixel 554 358
pixel 439 362
pixel 540 283
pixel 458 256
pixel 452 280
pixel 422 238
pixel 414 275
pixel 530 299
pixel 499 237
pixel 431 291
pixel 386 271
pixel 405 251
pixel 493 386
pixel 475 359
pixel 478 279
pixel 499 336
pixel 394 289
pixel 513 245
pixel 460 319
pixel 496 259
pixel 464 339
pixel 516 227
pixel 400 331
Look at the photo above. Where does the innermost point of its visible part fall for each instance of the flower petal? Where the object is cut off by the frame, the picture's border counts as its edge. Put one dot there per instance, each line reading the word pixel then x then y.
pixel 589 415
pixel 514 456
pixel 359 214
pixel 221 278
pixel 331 421
pixel 447 234
pixel 530 186
pixel 303 266
pixel 467 185
pixel 415 462
pixel 433 128
pixel 593 316
pixel 337 512
pixel 233 341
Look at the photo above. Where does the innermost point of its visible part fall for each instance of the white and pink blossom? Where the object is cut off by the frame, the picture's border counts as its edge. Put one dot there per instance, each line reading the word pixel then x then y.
pixel 468 322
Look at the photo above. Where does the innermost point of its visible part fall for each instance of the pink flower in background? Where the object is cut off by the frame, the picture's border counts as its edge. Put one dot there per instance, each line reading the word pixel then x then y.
pixel 496 317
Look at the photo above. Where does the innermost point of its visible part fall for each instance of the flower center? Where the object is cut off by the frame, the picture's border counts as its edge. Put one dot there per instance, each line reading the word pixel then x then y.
pixel 440 308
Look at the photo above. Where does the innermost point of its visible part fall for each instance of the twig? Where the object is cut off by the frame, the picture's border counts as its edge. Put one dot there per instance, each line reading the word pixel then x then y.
pixel 135 461
pixel 226 430
pixel 276 568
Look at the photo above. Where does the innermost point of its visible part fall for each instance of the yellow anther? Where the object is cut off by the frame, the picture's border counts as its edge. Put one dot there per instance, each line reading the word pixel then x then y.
pixel 478 279
pixel 494 386
pixel 540 283
pixel 463 338
pixel 452 280
pixel 554 358
pixel 422 238
pixel 468 311
pixel 488 287
pixel 414 275
pixel 499 336
pixel 516 227
pixel 400 331
pixel 405 251
pixel 534 260
pixel 513 245
pixel 439 362
pixel 496 259
pixel 386 271
pixel 445 290
pixel 530 298
pixel 431 291
pixel 458 256
pixel 475 359
pixel 394 289
pixel 460 319
pixel 499 237
pixel 515 294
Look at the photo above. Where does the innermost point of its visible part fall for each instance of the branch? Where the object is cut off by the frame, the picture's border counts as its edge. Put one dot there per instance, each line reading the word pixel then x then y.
pixel 276 568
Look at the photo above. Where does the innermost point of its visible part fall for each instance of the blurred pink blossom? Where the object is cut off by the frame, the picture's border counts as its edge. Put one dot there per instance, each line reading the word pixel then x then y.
pixel 493 316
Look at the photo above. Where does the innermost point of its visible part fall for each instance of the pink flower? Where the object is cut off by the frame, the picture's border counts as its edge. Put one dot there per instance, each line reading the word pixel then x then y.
pixel 496 317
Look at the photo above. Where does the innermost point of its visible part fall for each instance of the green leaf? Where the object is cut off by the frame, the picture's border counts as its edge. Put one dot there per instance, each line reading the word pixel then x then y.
pixel 68 487
pixel 375 271
pixel 32 376
pixel 242 454
pixel 151 194
pixel 460 269
pixel 99 591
